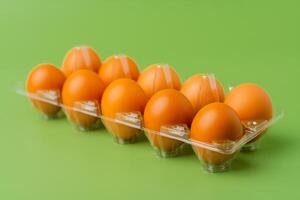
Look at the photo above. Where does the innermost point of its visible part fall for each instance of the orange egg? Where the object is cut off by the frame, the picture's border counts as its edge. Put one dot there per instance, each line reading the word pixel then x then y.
pixel 216 123
pixel 83 90
pixel 81 58
pixel 202 90
pixel 122 96
pixel 166 107
pixel 251 103
pixel 46 81
pixel 116 67
pixel 158 77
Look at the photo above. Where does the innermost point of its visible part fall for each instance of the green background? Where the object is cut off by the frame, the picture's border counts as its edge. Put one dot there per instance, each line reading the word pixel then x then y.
pixel 237 40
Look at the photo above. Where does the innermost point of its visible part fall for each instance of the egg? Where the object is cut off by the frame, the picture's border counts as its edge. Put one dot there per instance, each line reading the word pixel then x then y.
pixel 218 124
pixel 157 77
pixel 45 81
pixel 81 58
pixel 202 90
pixel 83 90
pixel 251 103
pixel 116 67
pixel 123 97
pixel 166 107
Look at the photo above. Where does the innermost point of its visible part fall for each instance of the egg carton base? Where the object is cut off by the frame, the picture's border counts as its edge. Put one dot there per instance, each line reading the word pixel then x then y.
pixel 132 140
pixel 168 154
pixel 93 127
pixel 55 116
pixel 216 168
pixel 252 146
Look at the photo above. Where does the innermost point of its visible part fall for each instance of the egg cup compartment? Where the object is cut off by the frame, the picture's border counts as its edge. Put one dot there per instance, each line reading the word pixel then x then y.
pixel 125 127
pixel 84 114
pixel 165 142
pixel 219 155
pixel 164 146
pixel 213 161
pixel 47 102
pixel 259 126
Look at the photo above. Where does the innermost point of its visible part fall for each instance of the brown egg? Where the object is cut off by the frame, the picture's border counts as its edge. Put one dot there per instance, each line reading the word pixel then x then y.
pixel 166 107
pixel 125 98
pixel 81 58
pixel 216 123
pixel 83 90
pixel 46 81
pixel 251 103
pixel 117 67
pixel 158 77
pixel 202 90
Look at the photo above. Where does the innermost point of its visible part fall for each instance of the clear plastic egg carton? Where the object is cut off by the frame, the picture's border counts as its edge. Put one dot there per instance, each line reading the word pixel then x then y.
pixel 168 142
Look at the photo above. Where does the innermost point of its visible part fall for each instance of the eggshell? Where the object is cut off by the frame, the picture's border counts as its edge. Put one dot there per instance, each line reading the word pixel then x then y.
pixel 122 96
pixel 116 67
pixel 157 77
pixel 83 86
pixel 202 90
pixel 251 103
pixel 81 58
pixel 215 123
pixel 45 78
pixel 166 107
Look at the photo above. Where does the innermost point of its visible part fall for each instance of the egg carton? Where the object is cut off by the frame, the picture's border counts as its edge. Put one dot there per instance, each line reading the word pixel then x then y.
pixel 170 141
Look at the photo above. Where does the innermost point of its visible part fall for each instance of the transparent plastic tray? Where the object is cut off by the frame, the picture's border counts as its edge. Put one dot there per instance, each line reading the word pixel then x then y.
pixel 168 142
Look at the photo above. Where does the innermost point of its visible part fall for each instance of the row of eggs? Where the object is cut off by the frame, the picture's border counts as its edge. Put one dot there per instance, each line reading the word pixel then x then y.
pixel 116 86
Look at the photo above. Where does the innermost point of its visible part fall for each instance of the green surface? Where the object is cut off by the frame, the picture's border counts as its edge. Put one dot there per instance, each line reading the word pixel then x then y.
pixel 240 41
